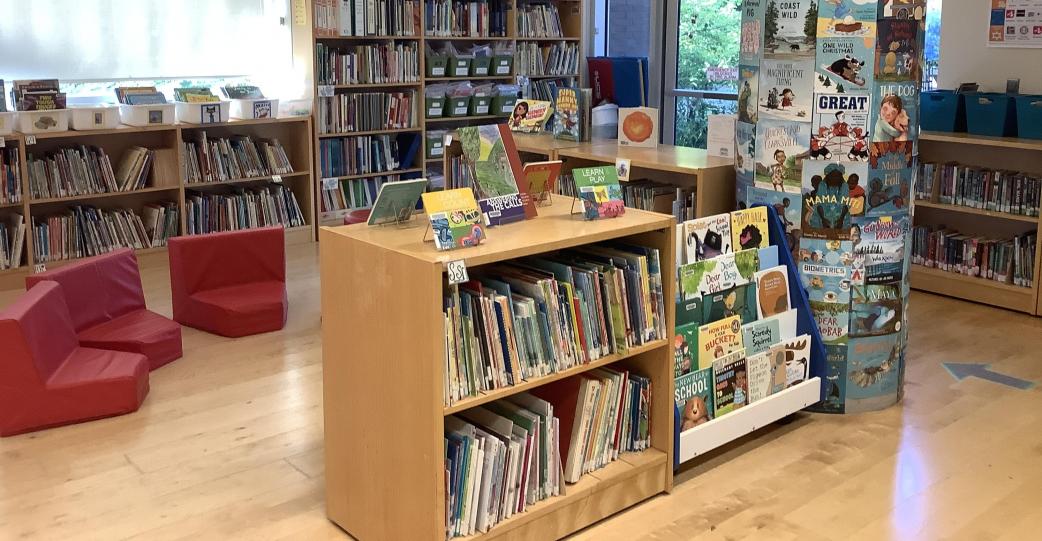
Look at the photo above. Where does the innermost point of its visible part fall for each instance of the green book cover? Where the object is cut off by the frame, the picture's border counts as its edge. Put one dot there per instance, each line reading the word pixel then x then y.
pixel 694 398
pixel 686 344
pixel 598 189
pixel 739 300
pixel 396 201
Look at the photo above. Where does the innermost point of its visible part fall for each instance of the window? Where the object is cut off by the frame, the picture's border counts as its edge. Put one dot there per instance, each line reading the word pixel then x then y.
pixel 932 50
pixel 90 41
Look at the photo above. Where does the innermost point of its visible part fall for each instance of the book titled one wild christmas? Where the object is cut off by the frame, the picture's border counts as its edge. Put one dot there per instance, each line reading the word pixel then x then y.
pixel 781 148
pixel 731 383
pixel 785 89
pixel 694 398
pixel 749 228
pixel 708 237
pixel 455 218
pixel 718 338
pixel 598 189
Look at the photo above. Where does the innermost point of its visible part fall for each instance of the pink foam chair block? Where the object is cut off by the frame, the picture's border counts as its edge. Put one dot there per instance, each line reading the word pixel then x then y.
pixel 108 310
pixel 47 379
pixel 232 284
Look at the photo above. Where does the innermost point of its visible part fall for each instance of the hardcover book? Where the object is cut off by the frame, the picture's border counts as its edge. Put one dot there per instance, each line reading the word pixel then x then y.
pixel 772 291
pixel 719 338
pixel 685 344
pixel 731 383
pixel 491 152
pixel 785 89
pixel 706 238
pixel 841 127
pixel 745 153
pixel 760 375
pixel 763 334
pixel 396 201
pixel 242 92
pixel 598 189
pixel 455 218
pixel 782 147
pixel 530 116
pixel 797 360
pixel 825 269
pixel 876 309
pixel 541 177
pixel 827 197
pixel 872 370
pixel 694 398
pixel 748 93
pixel 638 127
pixel 790 28
pixel 749 228
pixel 722 272
pixel 568 114
pixel 738 301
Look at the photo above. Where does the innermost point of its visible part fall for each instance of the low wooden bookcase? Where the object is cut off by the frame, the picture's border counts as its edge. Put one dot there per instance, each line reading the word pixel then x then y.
pixel 383 371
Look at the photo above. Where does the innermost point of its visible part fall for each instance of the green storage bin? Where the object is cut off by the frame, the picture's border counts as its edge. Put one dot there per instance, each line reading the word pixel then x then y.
pixel 480 105
pixel 435 146
pixel 458 106
pixel 434 107
pixel 459 66
pixel 437 65
pixel 501 65
pixel 480 66
pixel 503 105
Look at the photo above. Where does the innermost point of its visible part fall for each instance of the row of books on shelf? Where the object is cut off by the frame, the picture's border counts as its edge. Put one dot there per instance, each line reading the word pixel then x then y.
pixel 660 197
pixel 546 89
pixel 334 18
pixel 352 194
pixel 85 170
pixel 345 156
pixel 1009 261
pixel 33 95
pixel 475 18
pixel 366 111
pixel 507 455
pixel 539 20
pixel 1001 191
pixel 12 241
pixel 10 176
pixel 85 231
pixel 537 316
pixel 375 63
pixel 547 58
pixel 242 208
pixel 217 159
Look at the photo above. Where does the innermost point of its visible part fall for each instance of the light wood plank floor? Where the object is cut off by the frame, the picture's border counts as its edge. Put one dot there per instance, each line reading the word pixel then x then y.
pixel 228 445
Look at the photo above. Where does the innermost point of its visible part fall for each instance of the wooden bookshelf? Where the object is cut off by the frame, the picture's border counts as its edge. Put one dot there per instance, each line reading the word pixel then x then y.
pixel 999 153
pixel 167 183
pixel 571 13
pixel 383 405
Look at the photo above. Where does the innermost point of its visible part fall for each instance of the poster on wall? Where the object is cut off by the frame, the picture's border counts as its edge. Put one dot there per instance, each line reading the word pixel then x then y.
pixel 1015 23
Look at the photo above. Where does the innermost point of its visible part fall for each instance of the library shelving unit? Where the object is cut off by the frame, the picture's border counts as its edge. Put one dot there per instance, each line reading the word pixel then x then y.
pixel 383 358
pixel 167 182
pixel 571 12
pixel 1001 153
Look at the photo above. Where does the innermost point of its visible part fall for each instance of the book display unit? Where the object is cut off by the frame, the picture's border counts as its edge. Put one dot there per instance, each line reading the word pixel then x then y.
pixel 82 193
pixel 391 483
pixel 976 221
pixel 378 61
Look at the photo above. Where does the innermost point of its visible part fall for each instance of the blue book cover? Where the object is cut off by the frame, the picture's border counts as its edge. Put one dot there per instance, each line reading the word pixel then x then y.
pixel 825 269
pixel 872 371
pixel 630 76
pixel 827 191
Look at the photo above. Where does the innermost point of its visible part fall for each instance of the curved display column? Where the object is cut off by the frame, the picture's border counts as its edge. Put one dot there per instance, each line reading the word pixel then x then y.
pixel 827 122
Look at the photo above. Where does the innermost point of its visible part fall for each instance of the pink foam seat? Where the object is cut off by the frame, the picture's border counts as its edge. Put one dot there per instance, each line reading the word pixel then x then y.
pixel 47 379
pixel 107 305
pixel 232 284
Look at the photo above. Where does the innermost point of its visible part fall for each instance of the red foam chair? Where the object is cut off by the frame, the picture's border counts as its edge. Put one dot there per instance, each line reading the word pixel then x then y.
pixel 359 216
pixel 47 379
pixel 108 311
pixel 232 284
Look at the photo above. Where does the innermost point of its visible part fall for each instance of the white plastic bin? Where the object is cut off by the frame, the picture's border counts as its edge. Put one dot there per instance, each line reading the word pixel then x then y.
pixel 147 115
pixel 102 117
pixel 203 112
pixel 248 109
pixel 298 107
pixel 8 119
pixel 53 120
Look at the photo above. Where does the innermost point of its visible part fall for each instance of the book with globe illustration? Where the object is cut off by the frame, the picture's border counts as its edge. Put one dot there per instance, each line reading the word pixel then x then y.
pixel 638 127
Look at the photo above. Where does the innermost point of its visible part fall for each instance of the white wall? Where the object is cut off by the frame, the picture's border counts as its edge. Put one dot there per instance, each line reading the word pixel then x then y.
pixel 965 56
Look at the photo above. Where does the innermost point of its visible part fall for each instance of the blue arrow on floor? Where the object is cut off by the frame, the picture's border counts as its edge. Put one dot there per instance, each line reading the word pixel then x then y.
pixel 961 371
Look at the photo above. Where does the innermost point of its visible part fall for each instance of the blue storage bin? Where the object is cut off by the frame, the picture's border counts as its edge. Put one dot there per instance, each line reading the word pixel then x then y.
pixel 942 110
pixel 1029 117
pixel 991 114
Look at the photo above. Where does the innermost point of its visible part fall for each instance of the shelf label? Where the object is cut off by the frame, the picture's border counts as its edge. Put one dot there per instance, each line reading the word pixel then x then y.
pixel 481 109
pixel 276 179
pixel 438 71
pixel 30 140
pixel 503 70
pixel 461 110
pixel 40 267
pixel 325 91
pixel 457 271
pixel 434 111
pixel 448 139
pixel 329 184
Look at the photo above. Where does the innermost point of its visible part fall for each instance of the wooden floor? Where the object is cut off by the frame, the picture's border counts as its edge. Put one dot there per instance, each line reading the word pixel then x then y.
pixel 228 445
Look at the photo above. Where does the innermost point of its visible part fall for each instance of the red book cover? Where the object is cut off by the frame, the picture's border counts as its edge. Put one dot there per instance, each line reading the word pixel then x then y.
pixel 601 80
pixel 564 395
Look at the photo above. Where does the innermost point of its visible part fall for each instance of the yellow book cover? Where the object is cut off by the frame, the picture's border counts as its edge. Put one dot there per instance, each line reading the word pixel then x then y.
pixel 749 229
pixel 455 218
pixel 717 339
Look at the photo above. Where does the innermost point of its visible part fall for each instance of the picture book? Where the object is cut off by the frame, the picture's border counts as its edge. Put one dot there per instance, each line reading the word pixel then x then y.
pixel 872 371
pixel 898 112
pixel 835 379
pixel 730 383
pixel 760 335
pixel 530 116
pixel 897 51
pixel 825 269
pixel 879 249
pixel 718 338
pixel 708 237
pixel 779 375
pixel 847 18
pixel 685 346
pixel 455 218
pixel 568 114
pixel 745 153
pixel 396 201
pixel 787 206
pixel 902 9
pixel 784 91
pixel 827 200
pixel 781 149
pixel 598 189
pixel 638 127
pixel 751 40
pixel 689 311
pixel 748 93
pixel 196 94
pixel 491 152
pixel 242 92
pixel 738 301
pixel 139 95
pixel 694 398
pixel 768 257
pixel 790 28
pixel 541 177
pixel 772 291
pixel 797 360
pixel 833 321
pixel 841 128
pixel 717 274
pixel 876 310
pixel 760 377
pixel 749 228
pixel 890 181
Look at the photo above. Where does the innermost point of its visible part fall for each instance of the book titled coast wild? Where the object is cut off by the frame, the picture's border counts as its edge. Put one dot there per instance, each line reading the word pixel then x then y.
pixel 455 218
